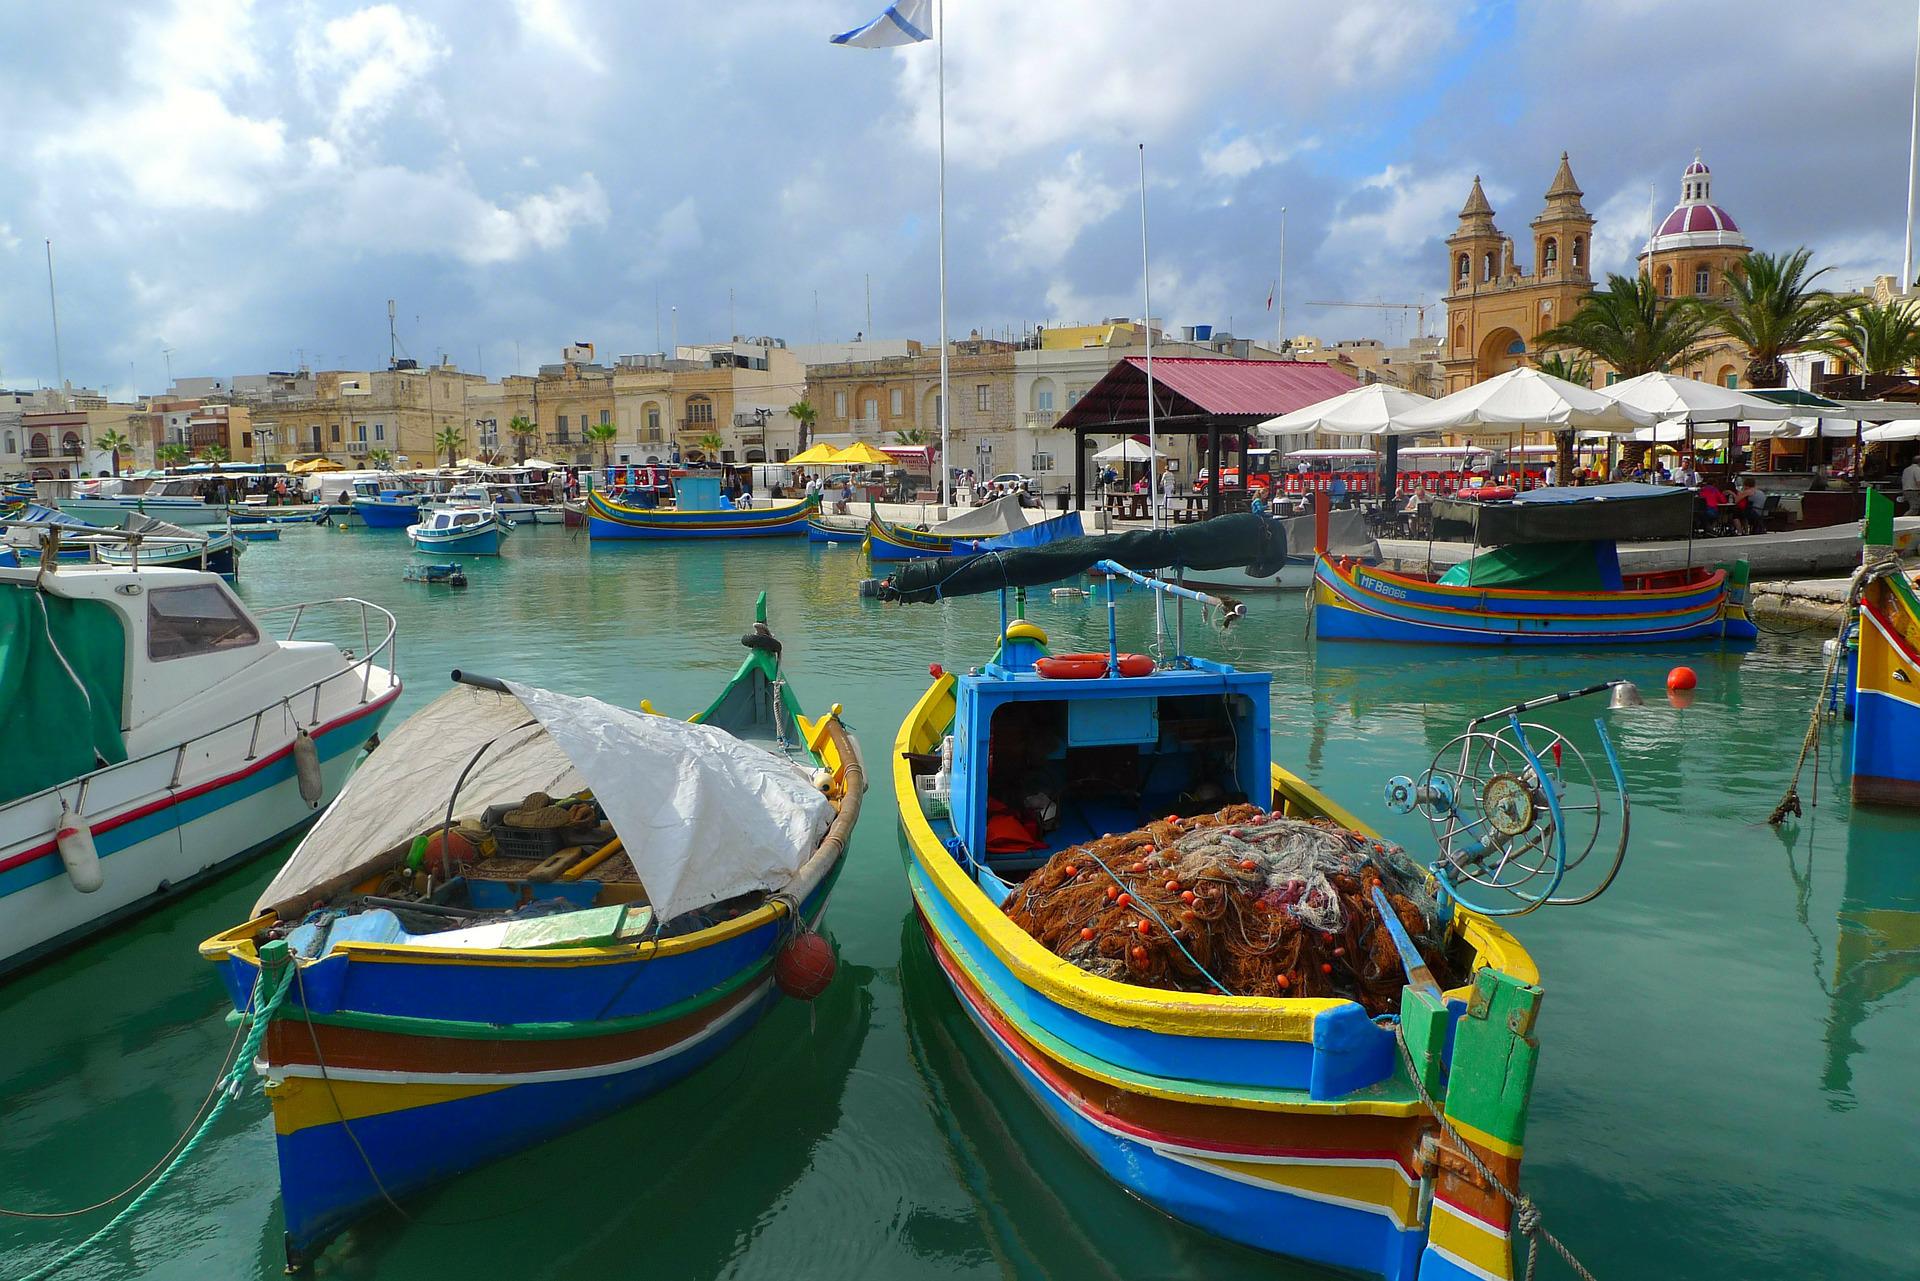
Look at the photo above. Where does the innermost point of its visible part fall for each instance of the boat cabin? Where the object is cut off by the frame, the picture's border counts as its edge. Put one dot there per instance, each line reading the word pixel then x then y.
pixel 1041 763
pixel 455 520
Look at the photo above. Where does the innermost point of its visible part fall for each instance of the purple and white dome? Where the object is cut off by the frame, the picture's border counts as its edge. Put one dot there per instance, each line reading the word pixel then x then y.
pixel 1696 222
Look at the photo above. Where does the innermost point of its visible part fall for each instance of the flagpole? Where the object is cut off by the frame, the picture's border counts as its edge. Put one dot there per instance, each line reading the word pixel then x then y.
pixel 1146 303
pixel 1280 337
pixel 1913 145
pixel 946 400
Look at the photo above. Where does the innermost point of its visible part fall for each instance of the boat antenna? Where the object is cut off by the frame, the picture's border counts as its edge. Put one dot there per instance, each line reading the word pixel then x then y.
pixel 1153 435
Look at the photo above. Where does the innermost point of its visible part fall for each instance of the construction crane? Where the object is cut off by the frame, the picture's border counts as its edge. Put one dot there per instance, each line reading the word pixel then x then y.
pixel 1418 308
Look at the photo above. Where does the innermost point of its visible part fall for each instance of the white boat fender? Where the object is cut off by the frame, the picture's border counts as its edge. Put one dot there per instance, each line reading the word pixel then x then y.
pixel 74 839
pixel 306 767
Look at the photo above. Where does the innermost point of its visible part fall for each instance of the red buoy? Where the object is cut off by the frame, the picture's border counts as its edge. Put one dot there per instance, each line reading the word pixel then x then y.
pixel 1682 678
pixel 804 966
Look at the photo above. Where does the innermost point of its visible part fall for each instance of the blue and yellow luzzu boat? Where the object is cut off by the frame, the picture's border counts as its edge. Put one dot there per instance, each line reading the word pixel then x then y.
pixel 889 541
pixel 698 512
pixel 434 1014
pixel 1885 698
pixel 1553 578
pixel 827 529
pixel 1290 1124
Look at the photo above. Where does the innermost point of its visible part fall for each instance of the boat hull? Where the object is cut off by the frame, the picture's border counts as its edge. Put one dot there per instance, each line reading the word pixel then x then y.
pixel 1886 696
pixel 113 512
pixel 819 531
pixel 1286 1125
pixel 610 520
pixel 376 514
pixel 156 838
pixel 484 541
pixel 446 1062
pixel 887 541
pixel 222 555
pixel 1356 602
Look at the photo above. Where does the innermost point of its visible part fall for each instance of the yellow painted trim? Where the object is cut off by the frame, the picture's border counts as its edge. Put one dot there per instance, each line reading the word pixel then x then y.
pixel 1480 1138
pixel 1471 1241
pixel 1365 1185
pixel 302 1102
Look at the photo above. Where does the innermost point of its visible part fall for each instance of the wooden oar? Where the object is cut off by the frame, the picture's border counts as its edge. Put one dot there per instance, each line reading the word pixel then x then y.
pixel 592 861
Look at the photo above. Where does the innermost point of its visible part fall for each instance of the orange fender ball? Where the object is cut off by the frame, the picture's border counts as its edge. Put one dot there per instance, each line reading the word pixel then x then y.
pixel 458 847
pixel 805 966
pixel 1682 678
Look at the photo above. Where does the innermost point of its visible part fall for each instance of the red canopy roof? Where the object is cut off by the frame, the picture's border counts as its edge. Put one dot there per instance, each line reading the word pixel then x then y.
pixel 1187 389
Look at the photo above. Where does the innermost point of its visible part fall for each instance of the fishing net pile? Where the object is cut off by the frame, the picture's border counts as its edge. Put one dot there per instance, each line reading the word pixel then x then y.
pixel 1258 905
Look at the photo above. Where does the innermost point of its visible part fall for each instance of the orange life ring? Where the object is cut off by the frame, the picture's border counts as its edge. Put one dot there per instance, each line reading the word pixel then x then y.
pixel 1083 667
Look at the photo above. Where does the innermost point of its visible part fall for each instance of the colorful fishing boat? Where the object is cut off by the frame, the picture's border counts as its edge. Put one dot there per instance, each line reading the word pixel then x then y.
pixel 493 966
pixel 699 511
pixel 1885 677
pixel 832 529
pixel 154 731
pixel 1553 577
pixel 458 531
pixel 384 506
pixel 887 540
pixel 1293 1124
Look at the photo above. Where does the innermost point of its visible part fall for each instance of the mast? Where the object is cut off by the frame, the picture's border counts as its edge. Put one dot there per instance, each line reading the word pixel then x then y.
pixel 1146 302
pixel 946 400
pixel 1913 145
pixel 53 306
pixel 1280 288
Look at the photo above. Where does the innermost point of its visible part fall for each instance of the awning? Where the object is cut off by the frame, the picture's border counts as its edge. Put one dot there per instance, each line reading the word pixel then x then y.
pixel 1127 451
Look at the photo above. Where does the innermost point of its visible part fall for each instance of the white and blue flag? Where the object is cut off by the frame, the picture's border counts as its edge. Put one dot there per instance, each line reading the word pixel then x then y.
pixel 904 22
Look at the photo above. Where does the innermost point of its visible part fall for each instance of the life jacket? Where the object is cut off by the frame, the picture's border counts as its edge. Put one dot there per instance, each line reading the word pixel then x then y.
pixel 1009 832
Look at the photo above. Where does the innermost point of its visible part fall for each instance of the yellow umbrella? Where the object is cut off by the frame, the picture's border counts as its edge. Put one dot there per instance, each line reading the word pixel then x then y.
pixel 813 455
pixel 308 465
pixel 862 453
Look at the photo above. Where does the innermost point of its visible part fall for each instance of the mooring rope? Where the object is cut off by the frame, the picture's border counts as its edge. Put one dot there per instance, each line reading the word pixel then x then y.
pixel 1790 799
pixel 231 1083
pixel 1526 1215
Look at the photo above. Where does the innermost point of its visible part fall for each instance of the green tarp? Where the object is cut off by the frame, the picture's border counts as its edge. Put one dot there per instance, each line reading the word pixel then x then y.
pixel 62 674
pixel 1566 567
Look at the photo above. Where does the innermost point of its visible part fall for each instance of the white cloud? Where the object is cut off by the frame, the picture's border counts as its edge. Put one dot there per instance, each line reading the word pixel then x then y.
pixel 174 137
pixel 553 23
pixel 1060 207
pixel 370 60
pixel 678 229
pixel 1022 77
pixel 1243 154
pixel 1620 227
pixel 8 241
pixel 393 209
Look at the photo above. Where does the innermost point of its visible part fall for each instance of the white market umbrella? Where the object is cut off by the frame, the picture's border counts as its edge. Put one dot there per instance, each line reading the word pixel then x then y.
pixel 1364 411
pixel 1127 451
pixel 1521 400
pixel 540 464
pixel 1887 433
pixel 1807 428
pixel 1676 400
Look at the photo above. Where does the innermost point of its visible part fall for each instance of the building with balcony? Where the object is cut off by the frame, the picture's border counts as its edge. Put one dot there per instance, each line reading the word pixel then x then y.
pixel 353 417
pixel 724 401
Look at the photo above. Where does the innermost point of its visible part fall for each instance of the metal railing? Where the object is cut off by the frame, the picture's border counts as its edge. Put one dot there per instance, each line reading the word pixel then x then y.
pixel 364 666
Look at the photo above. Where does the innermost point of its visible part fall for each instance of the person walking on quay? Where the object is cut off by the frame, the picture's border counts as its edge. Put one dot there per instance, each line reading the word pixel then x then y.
pixel 1910 485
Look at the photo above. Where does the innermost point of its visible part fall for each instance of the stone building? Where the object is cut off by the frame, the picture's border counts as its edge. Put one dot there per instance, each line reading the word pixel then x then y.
pixel 896 400
pixel 1495 310
pixel 736 393
pixel 351 415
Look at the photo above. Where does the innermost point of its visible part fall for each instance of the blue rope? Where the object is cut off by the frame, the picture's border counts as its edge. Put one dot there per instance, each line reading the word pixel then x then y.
pixel 1157 920
pixel 236 1077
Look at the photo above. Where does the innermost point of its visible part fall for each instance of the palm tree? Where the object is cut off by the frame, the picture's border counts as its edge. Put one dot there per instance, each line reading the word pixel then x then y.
pixel 803 412
pixel 113 442
pixel 910 436
pixel 601 434
pixel 215 454
pixel 711 444
pixel 522 431
pixel 1873 338
pixel 1775 310
pixel 170 455
pixel 449 439
pixel 1631 327
pixel 380 458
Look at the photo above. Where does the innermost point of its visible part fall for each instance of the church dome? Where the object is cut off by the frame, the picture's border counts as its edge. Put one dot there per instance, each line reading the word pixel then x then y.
pixel 1696 222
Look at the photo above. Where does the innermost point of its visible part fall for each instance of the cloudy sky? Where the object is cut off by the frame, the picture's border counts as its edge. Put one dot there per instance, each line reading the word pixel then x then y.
pixel 246 182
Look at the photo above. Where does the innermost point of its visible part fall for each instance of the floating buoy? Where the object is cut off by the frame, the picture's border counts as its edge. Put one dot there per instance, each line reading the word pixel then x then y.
pixel 75 842
pixel 460 850
pixel 1682 678
pixel 804 966
pixel 306 767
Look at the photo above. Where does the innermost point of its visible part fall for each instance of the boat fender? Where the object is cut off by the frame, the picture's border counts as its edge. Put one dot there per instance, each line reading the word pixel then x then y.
pixel 75 842
pixel 822 781
pixel 761 638
pixel 804 966
pixel 1090 666
pixel 306 767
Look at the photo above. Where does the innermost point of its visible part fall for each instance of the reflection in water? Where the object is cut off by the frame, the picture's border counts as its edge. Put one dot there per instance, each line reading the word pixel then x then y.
pixel 1877 945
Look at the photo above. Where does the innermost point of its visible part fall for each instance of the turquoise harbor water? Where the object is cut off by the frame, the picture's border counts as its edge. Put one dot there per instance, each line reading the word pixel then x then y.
pixel 1728 1084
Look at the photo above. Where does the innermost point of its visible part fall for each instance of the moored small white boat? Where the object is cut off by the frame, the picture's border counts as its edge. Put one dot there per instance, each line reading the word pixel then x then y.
pixel 153 731
pixel 460 531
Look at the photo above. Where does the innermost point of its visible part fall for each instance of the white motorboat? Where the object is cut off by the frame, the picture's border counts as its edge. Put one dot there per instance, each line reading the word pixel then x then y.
pixel 153 731
pixel 504 500
pixel 176 500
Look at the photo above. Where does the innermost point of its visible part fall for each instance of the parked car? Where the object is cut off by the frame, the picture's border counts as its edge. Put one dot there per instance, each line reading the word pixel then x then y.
pixel 1008 482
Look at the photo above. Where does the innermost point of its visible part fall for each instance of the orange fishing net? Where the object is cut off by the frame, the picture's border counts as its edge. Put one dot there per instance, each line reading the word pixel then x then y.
pixel 1259 905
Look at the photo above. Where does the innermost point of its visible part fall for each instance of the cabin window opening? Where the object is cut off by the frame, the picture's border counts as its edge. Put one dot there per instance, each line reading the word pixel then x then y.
pixel 186 621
